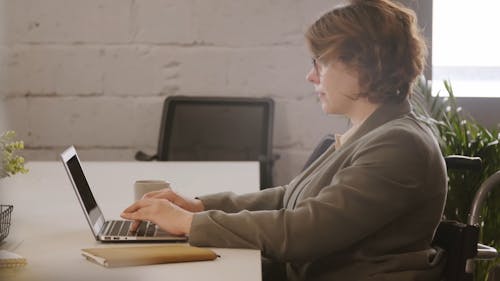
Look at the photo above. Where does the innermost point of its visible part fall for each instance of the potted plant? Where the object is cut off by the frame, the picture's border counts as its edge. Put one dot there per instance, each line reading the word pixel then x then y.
pixel 459 134
pixel 10 164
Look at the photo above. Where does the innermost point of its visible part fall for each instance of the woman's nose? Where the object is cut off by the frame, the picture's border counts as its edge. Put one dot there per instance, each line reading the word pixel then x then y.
pixel 312 76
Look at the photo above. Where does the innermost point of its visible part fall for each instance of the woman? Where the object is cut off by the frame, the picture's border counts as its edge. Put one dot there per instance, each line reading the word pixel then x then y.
pixel 368 207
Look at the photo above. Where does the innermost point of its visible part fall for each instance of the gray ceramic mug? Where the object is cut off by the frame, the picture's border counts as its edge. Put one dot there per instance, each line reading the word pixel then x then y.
pixel 142 187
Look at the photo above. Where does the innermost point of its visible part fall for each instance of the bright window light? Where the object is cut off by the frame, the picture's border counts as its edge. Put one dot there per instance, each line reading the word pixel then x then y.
pixel 466 46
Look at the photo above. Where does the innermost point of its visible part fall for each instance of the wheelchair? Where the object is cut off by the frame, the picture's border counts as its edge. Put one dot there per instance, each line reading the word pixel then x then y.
pixel 460 240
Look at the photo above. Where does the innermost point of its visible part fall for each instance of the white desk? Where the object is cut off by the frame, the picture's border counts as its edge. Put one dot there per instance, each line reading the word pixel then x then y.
pixel 49 228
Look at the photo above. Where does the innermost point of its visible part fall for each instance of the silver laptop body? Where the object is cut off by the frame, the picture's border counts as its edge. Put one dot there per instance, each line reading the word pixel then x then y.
pixel 103 230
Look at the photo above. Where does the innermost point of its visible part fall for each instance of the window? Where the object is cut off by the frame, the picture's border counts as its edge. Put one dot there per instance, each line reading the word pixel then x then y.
pixel 466 46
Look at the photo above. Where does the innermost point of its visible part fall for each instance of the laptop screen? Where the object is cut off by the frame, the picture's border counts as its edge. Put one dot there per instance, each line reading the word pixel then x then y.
pixel 81 184
pixel 89 204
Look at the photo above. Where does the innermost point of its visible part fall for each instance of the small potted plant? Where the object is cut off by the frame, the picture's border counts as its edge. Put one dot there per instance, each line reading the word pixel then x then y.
pixel 10 164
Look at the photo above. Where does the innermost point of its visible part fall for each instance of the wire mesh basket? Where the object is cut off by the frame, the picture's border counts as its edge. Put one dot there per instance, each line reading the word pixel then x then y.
pixel 5 212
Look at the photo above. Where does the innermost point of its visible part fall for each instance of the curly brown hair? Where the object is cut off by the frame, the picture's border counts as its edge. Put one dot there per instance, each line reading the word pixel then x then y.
pixel 378 38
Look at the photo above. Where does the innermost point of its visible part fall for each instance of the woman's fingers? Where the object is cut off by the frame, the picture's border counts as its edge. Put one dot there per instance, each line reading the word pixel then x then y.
pixel 168 194
pixel 137 205
pixel 136 213
pixel 162 212
pixel 152 194
pixel 135 224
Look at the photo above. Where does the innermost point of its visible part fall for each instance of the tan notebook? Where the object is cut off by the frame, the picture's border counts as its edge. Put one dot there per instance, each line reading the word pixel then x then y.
pixel 130 256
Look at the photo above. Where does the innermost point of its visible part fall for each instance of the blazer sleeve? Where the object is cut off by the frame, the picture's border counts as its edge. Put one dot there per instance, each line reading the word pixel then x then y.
pixel 229 202
pixel 385 180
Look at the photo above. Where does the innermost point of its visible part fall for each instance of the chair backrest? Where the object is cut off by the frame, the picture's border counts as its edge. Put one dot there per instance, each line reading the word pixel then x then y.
pixel 218 129
pixel 322 146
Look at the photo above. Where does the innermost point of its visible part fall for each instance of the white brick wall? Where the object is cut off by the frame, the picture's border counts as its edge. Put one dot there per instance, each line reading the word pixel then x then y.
pixel 94 73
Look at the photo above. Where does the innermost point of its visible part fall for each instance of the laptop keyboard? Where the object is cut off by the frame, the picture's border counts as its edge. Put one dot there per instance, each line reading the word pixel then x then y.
pixel 146 229
pixel 121 228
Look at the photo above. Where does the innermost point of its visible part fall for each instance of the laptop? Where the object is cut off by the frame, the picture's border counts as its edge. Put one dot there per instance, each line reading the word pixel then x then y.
pixel 104 230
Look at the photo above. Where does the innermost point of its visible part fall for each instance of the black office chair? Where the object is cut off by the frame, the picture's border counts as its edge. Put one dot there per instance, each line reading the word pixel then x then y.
pixel 322 146
pixel 458 240
pixel 217 129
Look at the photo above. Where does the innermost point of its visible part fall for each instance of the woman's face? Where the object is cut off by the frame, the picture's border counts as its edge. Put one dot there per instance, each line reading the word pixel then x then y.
pixel 336 86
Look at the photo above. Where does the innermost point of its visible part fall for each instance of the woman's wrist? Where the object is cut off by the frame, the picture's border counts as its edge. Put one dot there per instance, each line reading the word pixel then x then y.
pixel 187 222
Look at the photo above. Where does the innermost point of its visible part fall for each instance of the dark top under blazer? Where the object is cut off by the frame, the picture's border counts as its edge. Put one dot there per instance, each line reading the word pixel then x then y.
pixel 367 211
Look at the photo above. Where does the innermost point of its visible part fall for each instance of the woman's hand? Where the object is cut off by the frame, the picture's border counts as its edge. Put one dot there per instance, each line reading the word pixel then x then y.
pixel 192 205
pixel 161 212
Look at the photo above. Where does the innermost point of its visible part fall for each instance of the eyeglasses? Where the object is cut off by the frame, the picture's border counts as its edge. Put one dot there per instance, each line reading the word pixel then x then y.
pixel 317 67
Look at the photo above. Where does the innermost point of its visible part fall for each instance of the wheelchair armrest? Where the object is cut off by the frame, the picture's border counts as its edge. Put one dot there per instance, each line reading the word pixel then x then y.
pixel 485 252
pixel 141 156
pixel 460 162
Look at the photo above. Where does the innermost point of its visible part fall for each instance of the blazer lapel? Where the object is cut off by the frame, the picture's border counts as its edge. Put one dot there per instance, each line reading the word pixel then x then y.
pixel 383 114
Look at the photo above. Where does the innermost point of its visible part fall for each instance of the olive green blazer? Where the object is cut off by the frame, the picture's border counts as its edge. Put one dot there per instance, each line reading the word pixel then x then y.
pixel 367 211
